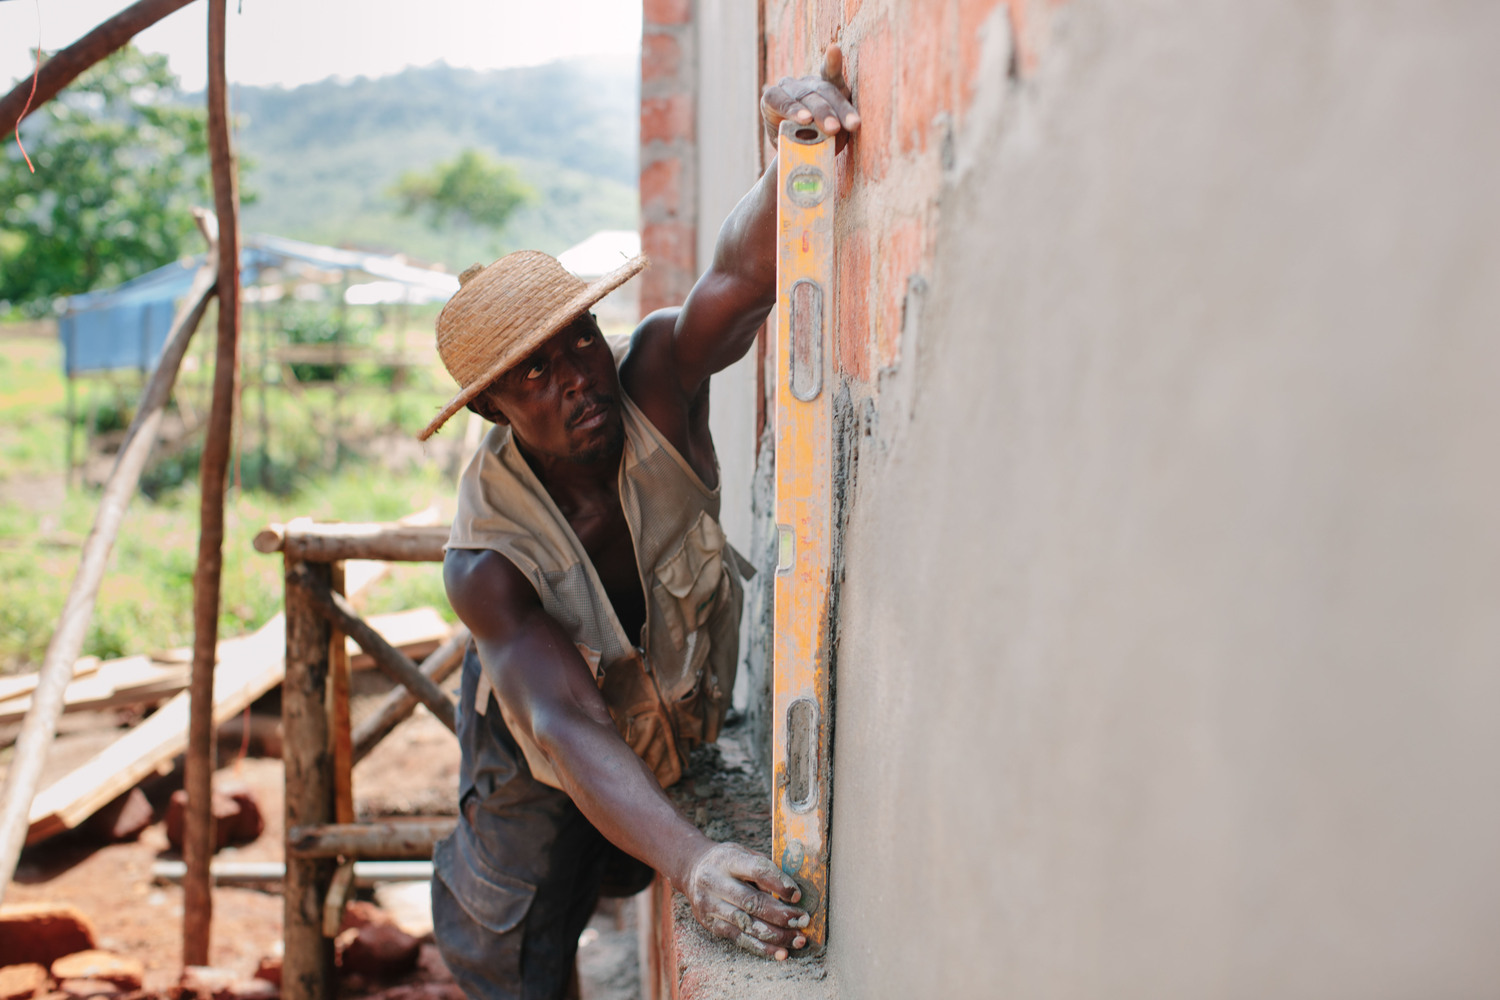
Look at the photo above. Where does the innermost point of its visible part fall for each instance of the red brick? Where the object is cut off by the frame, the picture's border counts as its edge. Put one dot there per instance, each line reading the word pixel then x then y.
pixel 269 969
pixel 667 118
pixel 1024 28
pixel 661 56
pixel 661 186
pixel 922 90
pixel 668 11
pixel 971 17
pixel 852 278
pixel 380 951
pixel 120 970
pixel 237 818
pixel 123 819
pixel 42 933
pixel 902 254
pixel 873 80
pixel 669 244
pixel 22 982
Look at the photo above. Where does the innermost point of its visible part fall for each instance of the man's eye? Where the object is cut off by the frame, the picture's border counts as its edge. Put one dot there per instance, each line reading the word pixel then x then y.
pixel 586 340
pixel 535 371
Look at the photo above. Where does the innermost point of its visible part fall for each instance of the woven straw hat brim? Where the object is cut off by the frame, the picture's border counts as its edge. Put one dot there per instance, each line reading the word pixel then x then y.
pixel 545 327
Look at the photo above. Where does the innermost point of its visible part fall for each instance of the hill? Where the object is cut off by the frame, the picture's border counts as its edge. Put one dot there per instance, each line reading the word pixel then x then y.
pixel 322 157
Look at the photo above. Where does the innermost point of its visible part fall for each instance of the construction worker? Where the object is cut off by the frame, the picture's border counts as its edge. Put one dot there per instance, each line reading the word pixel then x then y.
pixel 587 559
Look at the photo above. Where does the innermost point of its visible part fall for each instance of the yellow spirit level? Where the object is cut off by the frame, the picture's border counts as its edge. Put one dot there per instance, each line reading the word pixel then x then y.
pixel 804 494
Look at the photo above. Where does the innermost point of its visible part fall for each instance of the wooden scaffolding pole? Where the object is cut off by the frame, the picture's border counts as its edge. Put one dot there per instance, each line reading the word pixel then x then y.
pixel 198 834
pixel 307 966
pixel 57 666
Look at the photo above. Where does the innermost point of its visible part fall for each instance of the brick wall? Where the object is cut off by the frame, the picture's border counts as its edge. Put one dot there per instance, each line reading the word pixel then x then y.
pixel 914 68
pixel 669 190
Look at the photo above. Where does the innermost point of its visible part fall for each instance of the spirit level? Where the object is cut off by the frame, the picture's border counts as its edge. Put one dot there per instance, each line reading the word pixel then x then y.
pixel 804 494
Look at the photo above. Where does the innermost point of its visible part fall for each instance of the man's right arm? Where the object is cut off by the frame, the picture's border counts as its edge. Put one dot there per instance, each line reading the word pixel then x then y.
pixel 552 698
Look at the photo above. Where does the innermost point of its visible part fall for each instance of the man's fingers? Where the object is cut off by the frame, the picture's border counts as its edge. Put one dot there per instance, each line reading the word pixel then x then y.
pixel 761 873
pixel 822 112
pixel 833 67
pixel 782 105
pixel 771 946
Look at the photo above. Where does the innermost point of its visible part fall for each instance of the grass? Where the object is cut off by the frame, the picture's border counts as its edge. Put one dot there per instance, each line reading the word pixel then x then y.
pixel 145 601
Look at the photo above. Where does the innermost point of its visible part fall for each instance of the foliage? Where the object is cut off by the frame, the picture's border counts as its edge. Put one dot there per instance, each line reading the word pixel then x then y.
pixel 118 163
pixel 145 602
pixel 473 188
pixel 319 325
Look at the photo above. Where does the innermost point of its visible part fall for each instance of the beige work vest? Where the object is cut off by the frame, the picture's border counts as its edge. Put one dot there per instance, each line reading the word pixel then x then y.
pixel 671 693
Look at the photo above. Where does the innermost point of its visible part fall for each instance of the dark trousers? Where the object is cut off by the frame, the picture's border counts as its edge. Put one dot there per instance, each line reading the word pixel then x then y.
pixel 518 880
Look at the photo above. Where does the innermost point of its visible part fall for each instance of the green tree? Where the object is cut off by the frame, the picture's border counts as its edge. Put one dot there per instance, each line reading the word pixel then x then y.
pixel 472 189
pixel 120 160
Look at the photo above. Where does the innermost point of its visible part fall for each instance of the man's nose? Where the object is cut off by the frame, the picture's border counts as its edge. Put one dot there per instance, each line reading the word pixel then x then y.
pixel 576 377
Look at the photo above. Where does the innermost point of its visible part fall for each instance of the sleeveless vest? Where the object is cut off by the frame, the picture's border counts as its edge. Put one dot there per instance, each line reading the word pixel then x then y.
pixel 672 692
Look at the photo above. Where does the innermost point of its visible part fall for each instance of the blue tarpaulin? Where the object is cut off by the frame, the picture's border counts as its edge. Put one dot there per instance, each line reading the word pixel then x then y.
pixel 126 326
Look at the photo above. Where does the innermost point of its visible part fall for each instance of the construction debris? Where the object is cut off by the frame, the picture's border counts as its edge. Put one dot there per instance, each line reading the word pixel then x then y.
pixel 237 817
pixel 123 819
pixel 42 933
pixel 106 966
pixel 22 982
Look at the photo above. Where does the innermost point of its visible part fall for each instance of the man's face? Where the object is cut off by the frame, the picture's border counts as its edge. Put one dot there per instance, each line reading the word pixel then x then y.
pixel 563 400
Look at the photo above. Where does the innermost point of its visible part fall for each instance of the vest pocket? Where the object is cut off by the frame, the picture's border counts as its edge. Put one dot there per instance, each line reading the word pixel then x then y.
pixel 688 580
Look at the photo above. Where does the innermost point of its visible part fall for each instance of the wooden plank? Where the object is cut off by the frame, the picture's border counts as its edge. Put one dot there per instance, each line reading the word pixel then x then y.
pixel 20 685
pixel 416 632
pixel 400 703
pixel 396 666
pixel 116 682
pixel 249 666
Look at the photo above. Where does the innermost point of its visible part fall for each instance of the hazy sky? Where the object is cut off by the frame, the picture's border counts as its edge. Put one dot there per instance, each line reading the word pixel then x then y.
pixel 298 41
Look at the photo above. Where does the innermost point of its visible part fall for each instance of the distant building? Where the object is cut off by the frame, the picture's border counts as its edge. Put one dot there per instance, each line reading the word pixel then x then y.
pixel 597 256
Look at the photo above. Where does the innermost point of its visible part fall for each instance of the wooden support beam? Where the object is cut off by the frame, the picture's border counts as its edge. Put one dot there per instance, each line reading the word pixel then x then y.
pixel 391 661
pixel 307 969
pixel 198 834
pixel 338 897
pixel 65 66
pixel 313 542
pixel 400 702
pixel 397 840
pixel 338 665
pixel 62 651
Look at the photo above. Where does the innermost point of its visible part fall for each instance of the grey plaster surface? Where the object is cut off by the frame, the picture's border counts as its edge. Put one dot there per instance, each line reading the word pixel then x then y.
pixel 1169 646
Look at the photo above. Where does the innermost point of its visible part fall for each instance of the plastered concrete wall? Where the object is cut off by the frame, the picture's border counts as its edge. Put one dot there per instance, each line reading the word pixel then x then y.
pixel 1168 643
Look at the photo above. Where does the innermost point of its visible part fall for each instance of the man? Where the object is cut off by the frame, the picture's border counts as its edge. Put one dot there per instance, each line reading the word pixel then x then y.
pixel 587 560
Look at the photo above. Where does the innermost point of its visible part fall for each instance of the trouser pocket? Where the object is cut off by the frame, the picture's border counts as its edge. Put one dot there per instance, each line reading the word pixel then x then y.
pixel 479 916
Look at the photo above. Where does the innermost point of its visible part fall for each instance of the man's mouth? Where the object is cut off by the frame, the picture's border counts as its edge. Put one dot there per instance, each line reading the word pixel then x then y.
pixel 593 415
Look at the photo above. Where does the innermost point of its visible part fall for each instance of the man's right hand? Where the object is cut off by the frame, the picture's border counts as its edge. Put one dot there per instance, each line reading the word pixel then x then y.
pixel 740 895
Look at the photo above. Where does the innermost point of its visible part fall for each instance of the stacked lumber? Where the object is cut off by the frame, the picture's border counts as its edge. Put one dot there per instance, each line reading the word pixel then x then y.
pixel 131 680
pixel 248 667
pixel 143 680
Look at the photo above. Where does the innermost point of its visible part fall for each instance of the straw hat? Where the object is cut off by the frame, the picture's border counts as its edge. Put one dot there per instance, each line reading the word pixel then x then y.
pixel 502 312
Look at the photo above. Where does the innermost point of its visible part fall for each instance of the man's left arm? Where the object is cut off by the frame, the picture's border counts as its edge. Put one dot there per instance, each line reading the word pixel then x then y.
pixel 717 324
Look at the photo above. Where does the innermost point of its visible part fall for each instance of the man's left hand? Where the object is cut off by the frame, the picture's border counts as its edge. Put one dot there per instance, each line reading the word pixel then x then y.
pixel 824 100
